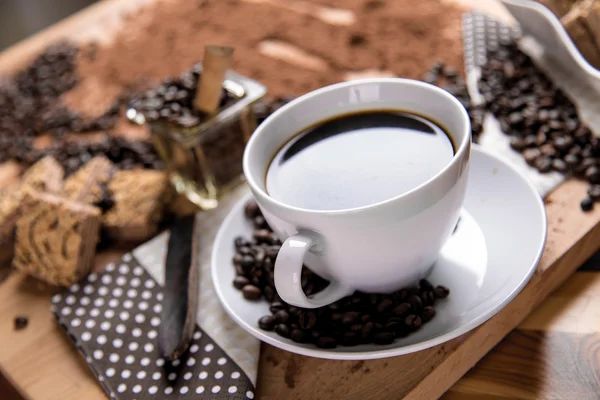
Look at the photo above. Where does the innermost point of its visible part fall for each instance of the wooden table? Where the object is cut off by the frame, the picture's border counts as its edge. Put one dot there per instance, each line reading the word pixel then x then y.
pixel 551 355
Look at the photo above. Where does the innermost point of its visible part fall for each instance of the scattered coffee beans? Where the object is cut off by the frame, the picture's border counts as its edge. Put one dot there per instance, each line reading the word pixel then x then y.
pixel 357 319
pixel 542 121
pixel 21 323
pixel 30 105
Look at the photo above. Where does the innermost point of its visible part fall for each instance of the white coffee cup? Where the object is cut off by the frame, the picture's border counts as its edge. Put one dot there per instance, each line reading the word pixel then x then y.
pixel 376 248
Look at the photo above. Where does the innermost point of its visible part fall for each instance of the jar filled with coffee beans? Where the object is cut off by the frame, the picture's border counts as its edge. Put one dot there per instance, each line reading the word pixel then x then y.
pixel 203 153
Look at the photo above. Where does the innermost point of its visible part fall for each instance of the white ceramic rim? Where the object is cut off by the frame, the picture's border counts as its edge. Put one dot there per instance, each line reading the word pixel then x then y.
pixel 462 147
pixel 562 33
pixel 376 354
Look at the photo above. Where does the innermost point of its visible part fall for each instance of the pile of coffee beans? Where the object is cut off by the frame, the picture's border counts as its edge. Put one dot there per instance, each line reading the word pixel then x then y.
pixel 125 154
pixel 542 121
pixel 357 319
pixel 448 79
pixel 173 100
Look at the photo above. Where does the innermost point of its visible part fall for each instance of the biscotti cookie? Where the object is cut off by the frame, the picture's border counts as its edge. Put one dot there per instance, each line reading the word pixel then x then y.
pixel 55 239
pixel 46 175
pixel 89 184
pixel 139 199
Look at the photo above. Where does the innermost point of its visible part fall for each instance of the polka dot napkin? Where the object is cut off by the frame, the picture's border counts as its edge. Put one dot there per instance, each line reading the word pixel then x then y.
pixel 482 33
pixel 113 319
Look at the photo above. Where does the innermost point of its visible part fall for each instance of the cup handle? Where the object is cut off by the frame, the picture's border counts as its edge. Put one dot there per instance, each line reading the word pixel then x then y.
pixel 288 275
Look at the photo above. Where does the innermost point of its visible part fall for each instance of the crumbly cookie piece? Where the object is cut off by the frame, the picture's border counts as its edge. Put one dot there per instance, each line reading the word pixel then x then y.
pixel 46 175
pixel 89 184
pixel 56 238
pixel 139 199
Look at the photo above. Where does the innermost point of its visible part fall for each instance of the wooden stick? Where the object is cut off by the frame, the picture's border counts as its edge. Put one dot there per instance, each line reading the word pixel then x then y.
pixel 217 60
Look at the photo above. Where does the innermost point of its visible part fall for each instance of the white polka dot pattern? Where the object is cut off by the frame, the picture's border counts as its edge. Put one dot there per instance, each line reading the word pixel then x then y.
pixel 115 328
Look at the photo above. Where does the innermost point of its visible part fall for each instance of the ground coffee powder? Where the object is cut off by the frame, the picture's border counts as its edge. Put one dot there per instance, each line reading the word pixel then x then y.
pixel 401 36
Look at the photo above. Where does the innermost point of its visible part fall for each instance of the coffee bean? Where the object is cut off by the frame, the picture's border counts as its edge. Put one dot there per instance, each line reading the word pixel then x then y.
pixel 241 242
pixel 299 336
pixel 587 204
pixel 428 297
pixel 559 165
pixel 245 251
pixel 367 329
pixel 431 77
pixel 587 152
pixel 402 309
pixel 531 155
pixel 21 323
pixel 260 222
pixel 307 320
pixel 240 281
pixel 350 318
pixel 326 342
pixel 441 292
pixel 276 306
pixel 269 293
pixel 247 261
pixel 571 159
pixel 594 192
pixel 518 143
pixel 592 174
pixel 548 150
pixel 251 210
pixel 415 302
pixel 588 162
pixel 266 323
pixel 563 143
pixel 251 292
pixel 281 317
pixel 272 251
pixel 543 164
pixel 427 314
pixel 262 236
pixel 413 321
pixel 424 284
pixel 383 338
pixel 384 306
pixel 282 330
pixel 237 259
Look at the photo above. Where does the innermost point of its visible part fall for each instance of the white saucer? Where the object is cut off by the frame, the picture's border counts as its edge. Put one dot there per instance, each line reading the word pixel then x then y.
pixel 488 260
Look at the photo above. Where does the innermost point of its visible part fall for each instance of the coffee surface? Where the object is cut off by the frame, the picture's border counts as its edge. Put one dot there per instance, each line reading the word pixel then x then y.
pixel 358 160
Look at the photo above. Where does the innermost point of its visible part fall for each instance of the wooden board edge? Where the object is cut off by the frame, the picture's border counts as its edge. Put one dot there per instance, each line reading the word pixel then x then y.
pixel 481 341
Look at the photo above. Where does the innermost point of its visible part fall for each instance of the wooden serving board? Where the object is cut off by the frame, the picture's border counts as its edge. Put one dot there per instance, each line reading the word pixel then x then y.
pixel 42 364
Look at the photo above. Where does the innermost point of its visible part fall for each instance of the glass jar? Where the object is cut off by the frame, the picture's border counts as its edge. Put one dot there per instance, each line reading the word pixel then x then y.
pixel 205 160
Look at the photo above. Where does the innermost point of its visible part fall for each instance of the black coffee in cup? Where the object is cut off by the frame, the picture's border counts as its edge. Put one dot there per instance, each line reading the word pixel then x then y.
pixel 358 159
